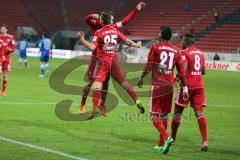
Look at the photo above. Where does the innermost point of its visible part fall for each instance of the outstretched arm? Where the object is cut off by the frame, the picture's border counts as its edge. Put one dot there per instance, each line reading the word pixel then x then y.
pixel 133 44
pixel 130 15
pixel 90 46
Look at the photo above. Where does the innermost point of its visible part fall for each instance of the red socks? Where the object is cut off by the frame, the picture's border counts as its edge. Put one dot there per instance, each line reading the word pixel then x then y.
pixel 86 90
pixel 4 85
pixel 161 141
pixel 174 127
pixel 203 128
pixel 104 92
pixel 96 97
pixel 158 124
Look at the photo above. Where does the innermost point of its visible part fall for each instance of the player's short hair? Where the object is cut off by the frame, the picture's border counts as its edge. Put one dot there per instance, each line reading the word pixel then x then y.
pixel 106 17
pixel 45 34
pixel 189 39
pixel 165 33
pixel 3 25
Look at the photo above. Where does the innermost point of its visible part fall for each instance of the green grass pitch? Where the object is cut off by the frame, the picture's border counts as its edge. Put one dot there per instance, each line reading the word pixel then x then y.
pixel 27 115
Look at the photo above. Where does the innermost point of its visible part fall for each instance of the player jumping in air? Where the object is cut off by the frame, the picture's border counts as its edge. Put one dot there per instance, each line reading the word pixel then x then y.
pixel 104 44
pixel 162 59
pixel 22 47
pixel 93 21
pixel 45 49
pixel 8 48
pixel 195 63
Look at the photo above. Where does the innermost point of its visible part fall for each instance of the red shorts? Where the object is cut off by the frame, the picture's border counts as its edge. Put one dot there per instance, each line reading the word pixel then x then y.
pixel 92 69
pixel 196 98
pixel 161 99
pixel 5 66
pixel 103 67
pixel 109 66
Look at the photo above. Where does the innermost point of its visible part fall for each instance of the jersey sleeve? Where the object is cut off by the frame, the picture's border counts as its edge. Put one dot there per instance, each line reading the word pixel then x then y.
pixel 40 45
pixel 93 23
pixel 126 19
pixel 180 67
pixel 151 54
pixel 95 39
pixel 12 45
pixel 184 57
pixel 121 37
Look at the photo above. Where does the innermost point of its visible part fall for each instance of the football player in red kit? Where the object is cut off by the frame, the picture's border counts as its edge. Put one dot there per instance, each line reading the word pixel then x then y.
pixel 93 21
pixel 2 58
pixel 195 63
pixel 9 47
pixel 162 59
pixel 104 44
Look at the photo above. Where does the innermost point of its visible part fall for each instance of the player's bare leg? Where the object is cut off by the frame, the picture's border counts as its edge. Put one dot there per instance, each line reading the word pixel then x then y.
pixel 202 126
pixel 4 84
pixel 176 121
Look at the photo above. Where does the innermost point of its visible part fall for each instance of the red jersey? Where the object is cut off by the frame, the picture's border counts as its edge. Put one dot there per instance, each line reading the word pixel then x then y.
pixel 195 63
pixel 106 40
pixel 96 25
pixel 8 43
pixel 1 50
pixel 162 59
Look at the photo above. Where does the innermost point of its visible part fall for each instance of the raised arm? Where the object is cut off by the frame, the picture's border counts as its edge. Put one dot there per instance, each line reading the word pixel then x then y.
pixel 130 15
pixel 90 46
pixel 133 44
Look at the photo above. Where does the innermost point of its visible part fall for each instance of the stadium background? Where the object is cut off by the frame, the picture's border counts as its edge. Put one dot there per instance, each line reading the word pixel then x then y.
pixel 27 114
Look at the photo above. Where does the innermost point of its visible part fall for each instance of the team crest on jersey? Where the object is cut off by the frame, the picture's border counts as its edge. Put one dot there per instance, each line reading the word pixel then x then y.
pixel 94 38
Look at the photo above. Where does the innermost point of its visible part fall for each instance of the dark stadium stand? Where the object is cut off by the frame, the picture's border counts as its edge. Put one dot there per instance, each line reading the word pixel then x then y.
pixel 77 10
pixel 50 11
pixel 223 39
pixel 168 13
pixel 14 13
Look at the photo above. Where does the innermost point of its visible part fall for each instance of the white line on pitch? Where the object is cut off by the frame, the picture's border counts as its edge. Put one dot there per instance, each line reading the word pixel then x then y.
pixel 41 149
